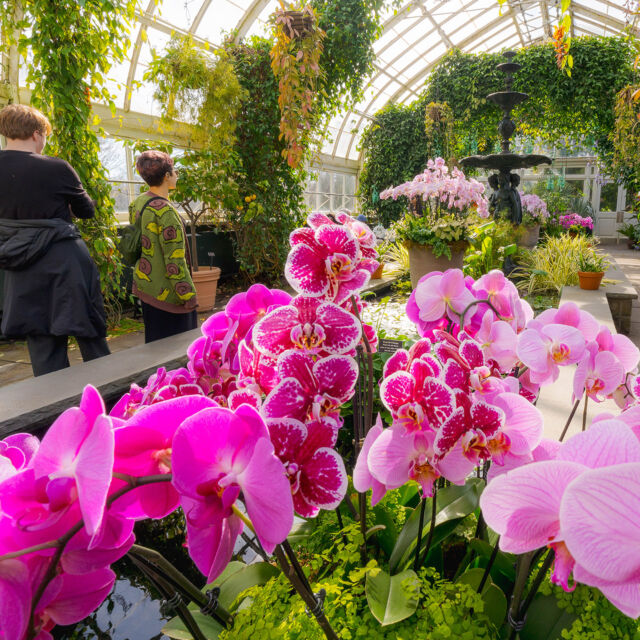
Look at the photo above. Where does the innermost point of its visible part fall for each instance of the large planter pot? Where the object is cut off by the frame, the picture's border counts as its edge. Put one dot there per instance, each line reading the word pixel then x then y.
pixel 206 284
pixel 530 237
pixel 377 274
pixel 590 280
pixel 422 260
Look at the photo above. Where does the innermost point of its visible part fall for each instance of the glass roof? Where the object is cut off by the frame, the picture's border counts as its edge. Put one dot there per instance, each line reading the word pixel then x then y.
pixel 414 38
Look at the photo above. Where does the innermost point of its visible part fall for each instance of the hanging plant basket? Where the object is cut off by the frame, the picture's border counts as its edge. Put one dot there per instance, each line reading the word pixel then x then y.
pixel 298 24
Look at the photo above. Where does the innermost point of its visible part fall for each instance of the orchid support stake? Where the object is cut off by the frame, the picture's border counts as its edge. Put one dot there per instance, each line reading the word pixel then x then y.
pixel 542 572
pixel 313 605
pixel 416 562
pixel 584 412
pixel 293 559
pixel 569 419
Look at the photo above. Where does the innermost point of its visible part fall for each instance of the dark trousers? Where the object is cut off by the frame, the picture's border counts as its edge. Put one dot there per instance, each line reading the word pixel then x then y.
pixel 49 353
pixel 160 324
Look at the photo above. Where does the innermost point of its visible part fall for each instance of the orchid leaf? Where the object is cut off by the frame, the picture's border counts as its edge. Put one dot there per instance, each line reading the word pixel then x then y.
pixel 495 602
pixel 176 629
pixel 392 598
pixel 454 503
pixel 545 620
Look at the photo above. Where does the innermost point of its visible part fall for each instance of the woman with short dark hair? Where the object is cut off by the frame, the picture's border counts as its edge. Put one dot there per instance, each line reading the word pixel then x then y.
pixel 162 276
pixel 51 286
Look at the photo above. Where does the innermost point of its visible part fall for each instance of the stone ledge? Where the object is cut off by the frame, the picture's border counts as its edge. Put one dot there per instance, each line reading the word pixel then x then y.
pixel 33 404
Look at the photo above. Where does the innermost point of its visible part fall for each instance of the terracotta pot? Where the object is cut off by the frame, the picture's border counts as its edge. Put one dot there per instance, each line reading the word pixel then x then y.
pixel 206 283
pixel 530 237
pixel 590 280
pixel 422 260
pixel 377 274
pixel 630 243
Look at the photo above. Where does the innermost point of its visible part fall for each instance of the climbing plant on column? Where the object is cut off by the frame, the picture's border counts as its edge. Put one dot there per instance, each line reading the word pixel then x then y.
pixel 87 37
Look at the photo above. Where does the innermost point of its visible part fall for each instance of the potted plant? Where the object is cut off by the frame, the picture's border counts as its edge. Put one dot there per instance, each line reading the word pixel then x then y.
pixel 631 232
pixel 436 227
pixel 574 223
pixel 386 239
pixel 534 214
pixel 591 268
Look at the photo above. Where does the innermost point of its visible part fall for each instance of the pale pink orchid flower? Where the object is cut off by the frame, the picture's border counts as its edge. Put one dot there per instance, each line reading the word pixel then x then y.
pixel 598 374
pixel 498 342
pixel 621 347
pixel 523 505
pixel 442 295
pixel 544 350
pixel 363 480
pixel 217 455
pixel 569 314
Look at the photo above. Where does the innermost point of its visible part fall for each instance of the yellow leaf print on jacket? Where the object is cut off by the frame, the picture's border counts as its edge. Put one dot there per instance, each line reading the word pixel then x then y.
pixel 154 228
pixel 162 296
pixel 142 276
pixel 177 253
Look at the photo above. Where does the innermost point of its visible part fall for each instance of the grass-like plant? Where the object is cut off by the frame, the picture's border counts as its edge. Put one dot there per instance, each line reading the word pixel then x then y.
pixel 592 262
pixel 397 260
pixel 554 265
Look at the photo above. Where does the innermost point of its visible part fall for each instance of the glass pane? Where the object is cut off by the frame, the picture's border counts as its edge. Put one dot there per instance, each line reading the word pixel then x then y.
pixel 337 189
pixel 120 193
pixel 325 182
pixel 113 158
pixel 609 197
pixel 574 170
pixel 350 184
pixel 576 187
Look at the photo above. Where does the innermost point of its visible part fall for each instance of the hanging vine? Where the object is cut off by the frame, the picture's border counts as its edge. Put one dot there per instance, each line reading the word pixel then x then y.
pixel 87 37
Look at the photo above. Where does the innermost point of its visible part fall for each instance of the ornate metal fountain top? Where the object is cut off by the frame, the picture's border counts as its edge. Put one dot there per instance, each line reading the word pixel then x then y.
pixel 505 161
pixel 505 196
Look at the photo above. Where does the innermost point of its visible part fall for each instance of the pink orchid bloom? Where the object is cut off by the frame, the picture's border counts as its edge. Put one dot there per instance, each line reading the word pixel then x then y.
pixel 218 454
pixel 523 505
pixel 361 231
pixel 417 401
pixel 75 460
pixel 570 315
pixel 69 599
pixel 442 295
pixel 498 342
pixel 621 347
pixel 316 472
pixel 598 373
pixel 143 446
pixel 498 289
pixel 257 371
pixel 327 263
pixel 18 449
pixel 544 350
pixel 310 389
pixel 309 324
pixel 396 456
pixel 425 328
pixel 402 359
pixel 15 599
pixel 599 523
pixel 250 306
pixel 546 450
pixel 363 480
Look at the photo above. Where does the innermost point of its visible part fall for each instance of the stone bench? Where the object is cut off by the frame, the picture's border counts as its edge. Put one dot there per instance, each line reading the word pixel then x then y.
pixel 620 297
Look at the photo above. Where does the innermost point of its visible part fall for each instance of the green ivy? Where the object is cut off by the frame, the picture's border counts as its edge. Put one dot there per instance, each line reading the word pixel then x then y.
pixel 561 110
pixel 87 38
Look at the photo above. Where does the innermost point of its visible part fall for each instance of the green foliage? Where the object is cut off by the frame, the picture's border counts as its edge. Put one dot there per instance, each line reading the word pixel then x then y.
pixel 439 234
pixel 87 38
pixel 626 138
pixel 490 242
pixel 394 598
pixel 561 110
pixel 592 261
pixel 553 265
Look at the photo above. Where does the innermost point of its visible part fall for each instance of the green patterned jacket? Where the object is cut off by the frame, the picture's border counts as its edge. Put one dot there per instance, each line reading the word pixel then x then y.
pixel 162 276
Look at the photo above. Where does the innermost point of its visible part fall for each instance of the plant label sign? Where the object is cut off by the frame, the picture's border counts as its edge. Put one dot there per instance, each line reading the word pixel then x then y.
pixel 389 346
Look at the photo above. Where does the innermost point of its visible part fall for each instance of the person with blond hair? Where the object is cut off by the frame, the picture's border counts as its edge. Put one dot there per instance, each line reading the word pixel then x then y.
pixel 51 285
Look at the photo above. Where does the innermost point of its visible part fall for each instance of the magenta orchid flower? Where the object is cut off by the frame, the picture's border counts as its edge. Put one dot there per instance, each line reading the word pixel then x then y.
pixel 499 290
pixel 544 350
pixel 217 455
pixel 598 374
pixel 315 470
pixel 310 389
pixel 250 306
pixel 257 371
pixel 417 401
pixel 75 460
pixel 327 263
pixel 15 599
pixel 309 324
pixel 524 505
pixel 143 446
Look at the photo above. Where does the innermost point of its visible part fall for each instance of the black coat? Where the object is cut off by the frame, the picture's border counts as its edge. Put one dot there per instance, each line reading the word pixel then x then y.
pixel 51 284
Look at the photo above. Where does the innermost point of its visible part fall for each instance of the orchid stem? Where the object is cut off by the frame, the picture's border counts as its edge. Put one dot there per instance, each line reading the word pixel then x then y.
pixel 522 573
pixel 434 501
pixel 487 570
pixel 472 304
pixel 569 419
pixel 416 562
pixel 242 517
pixel 542 572
pixel 584 412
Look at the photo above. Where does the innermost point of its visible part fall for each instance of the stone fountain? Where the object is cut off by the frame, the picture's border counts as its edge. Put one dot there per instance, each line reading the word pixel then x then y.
pixel 505 194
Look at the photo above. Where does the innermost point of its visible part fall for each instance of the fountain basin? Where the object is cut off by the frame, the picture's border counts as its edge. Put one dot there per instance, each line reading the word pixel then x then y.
pixel 505 161
pixel 507 99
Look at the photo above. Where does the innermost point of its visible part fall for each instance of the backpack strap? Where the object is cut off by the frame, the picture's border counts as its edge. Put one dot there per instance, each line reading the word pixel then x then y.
pixel 146 204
